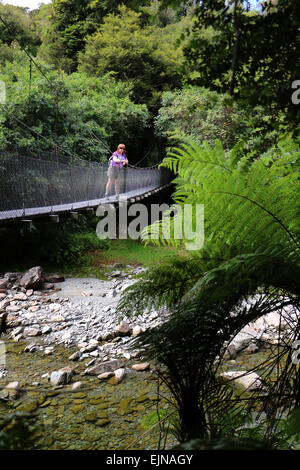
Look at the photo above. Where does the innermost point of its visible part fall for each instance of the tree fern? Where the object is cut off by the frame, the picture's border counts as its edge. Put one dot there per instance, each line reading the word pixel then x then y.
pixel 249 266
pixel 257 205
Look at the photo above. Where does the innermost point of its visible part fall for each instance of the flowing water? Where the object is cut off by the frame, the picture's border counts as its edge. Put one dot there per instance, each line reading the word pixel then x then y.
pixel 101 415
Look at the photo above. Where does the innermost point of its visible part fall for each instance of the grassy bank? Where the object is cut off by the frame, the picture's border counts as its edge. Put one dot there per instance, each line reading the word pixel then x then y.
pixel 98 263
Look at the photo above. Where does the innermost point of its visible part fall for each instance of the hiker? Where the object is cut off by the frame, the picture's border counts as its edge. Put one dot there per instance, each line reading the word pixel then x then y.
pixel 116 162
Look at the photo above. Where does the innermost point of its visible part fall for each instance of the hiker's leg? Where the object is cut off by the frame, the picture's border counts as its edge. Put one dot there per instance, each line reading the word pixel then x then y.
pixel 117 186
pixel 108 186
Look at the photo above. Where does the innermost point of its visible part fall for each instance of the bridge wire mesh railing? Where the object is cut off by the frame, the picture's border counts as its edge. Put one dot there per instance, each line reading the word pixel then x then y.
pixel 55 181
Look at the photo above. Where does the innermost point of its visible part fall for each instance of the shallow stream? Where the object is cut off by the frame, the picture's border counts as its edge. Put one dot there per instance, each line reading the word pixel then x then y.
pixel 101 415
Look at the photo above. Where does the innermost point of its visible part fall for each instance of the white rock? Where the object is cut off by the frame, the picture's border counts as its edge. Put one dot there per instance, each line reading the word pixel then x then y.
pixel 18 337
pixel 94 354
pixel 119 374
pixel 76 385
pixel 66 336
pixel 62 376
pixel 46 330
pixel 137 330
pixel 250 381
pixel 93 341
pixel 13 386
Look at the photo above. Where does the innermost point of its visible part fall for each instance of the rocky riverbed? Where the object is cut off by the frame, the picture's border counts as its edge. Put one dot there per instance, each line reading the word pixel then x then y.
pixel 66 356
pixel 66 361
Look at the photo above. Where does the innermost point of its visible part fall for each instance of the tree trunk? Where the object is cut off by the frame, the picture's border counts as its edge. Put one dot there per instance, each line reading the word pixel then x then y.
pixel 236 48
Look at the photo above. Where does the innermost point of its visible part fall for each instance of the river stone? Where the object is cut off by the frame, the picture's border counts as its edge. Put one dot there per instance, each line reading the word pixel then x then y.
pixel 141 366
pixel 102 422
pixel 89 348
pixel 62 376
pixel 3 283
pixel 75 356
pixel 123 329
pixel 32 332
pixel 34 308
pixel 137 330
pixel 91 417
pixel 13 386
pixel 79 395
pixel 34 278
pixel 14 308
pixel 2 296
pixel 27 407
pixel 4 304
pixel 45 404
pixel 20 296
pixel 119 374
pixel 48 286
pixel 77 408
pixel 76 386
pixel 31 348
pixel 108 366
pixel 106 375
pixel 249 382
pixel 49 350
pixel 46 330
pixel 17 338
pixel 12 277
pixel 275 320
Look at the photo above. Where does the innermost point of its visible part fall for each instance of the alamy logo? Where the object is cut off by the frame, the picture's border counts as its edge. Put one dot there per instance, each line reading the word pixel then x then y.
pixel 296 94
pixel 2 93
pixel 177 222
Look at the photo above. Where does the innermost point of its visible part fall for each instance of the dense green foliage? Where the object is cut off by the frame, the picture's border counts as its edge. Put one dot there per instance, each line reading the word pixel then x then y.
pixel 82 109
pixel 206 115
pixel 252 54
pixel 71 21
pixel 19 27
pixel 135 53
pixel 49 245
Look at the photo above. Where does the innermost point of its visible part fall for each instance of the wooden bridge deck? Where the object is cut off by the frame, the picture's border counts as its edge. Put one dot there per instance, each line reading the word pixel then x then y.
pixel 35 212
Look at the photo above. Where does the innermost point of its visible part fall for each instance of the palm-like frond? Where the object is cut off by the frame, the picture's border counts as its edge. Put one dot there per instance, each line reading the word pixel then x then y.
pixel 256 206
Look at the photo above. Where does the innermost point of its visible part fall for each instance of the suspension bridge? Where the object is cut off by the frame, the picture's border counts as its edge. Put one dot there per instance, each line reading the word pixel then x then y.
pixel 51 184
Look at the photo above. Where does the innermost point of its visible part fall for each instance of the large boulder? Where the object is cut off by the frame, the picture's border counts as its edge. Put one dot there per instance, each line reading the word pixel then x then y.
pixel 34 278
pixel 108 366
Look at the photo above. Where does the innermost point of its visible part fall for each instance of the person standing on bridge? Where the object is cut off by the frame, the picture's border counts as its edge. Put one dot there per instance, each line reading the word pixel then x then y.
pixel 117 161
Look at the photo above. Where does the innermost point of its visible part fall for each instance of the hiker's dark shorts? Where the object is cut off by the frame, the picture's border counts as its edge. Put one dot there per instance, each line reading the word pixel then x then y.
pixel 114 172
